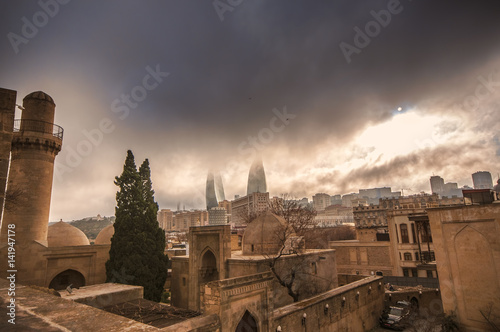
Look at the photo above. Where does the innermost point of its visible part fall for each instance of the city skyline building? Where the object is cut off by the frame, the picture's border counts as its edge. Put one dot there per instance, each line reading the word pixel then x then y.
pixel 437 184
pixel 482 180
pixel 214 190
pixel 256 178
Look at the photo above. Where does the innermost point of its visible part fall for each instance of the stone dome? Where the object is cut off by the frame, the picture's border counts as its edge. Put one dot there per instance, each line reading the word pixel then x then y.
pixel 62 234
pixel 40 95
pixel 104 236
pixel 261 236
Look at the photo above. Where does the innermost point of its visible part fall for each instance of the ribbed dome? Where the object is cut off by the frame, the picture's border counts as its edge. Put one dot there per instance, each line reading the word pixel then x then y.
pixel 39 95
pixel 104 236
pixel 262 235
pixel 62 234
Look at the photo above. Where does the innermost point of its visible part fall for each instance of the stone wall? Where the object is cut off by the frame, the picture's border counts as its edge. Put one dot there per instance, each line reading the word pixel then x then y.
pixel 316 272
pixel 236 299
pixel 180 281
pixel 38 265
pixel 356 257
pixel 353 307
pixel 466 241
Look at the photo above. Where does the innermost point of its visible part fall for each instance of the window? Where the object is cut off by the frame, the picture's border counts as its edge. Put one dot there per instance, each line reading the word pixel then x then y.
pixel 416 256
pixel 414 273
pixel 413 233
pixel 429 274
pixel 406 273
pixel 183 281
pixel 404 233
pixel 252 247
pixel 407 256
pixel 428 256
pixel 426 237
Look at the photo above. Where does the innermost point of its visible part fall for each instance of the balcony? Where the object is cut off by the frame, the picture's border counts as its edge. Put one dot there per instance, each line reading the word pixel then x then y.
pixel 37 126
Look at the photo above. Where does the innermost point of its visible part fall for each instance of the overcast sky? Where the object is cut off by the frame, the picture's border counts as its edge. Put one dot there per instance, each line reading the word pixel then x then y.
pixel 335 95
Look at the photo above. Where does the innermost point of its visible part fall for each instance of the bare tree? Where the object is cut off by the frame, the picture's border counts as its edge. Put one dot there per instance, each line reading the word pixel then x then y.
pixel 291 268
pixel 490 317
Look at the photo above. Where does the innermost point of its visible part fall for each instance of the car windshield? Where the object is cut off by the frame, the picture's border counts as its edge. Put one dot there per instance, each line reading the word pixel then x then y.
pixel 396 311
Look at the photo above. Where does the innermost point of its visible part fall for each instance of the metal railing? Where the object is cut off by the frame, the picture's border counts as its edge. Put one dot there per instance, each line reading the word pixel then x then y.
pixel 38 126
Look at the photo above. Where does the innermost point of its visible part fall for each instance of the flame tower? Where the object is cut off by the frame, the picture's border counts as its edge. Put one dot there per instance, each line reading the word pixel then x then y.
pixel 257 178
pixel 214 190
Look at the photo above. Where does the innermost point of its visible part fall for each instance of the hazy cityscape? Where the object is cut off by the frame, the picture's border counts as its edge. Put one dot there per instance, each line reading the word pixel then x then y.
pixel 250 166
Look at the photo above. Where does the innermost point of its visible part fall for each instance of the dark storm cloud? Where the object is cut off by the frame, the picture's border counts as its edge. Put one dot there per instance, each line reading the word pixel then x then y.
pixel 227 76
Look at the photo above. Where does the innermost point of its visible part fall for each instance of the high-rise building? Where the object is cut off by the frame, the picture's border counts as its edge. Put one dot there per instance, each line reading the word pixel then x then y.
pixel 321 201
pixel 482 180
pixel 437 184
pixel 257 178
pixel 214 190
pixel 185 219
pixel 166 219
pixel 226 205
pixel 242 207
pixel 372 195
pixel 217 216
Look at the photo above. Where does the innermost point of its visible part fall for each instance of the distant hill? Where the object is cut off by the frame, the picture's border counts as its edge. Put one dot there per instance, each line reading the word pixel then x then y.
pixel 91 226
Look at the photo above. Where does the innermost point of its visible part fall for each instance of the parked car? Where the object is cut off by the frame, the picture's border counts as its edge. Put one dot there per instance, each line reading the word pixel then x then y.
pixel 396 317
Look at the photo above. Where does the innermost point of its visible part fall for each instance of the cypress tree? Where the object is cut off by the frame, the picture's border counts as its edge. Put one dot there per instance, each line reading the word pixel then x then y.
pixel 136 256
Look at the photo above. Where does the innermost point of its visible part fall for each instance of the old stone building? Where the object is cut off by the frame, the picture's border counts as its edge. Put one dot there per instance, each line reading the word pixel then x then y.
pixel 238 287
pixel 406 250
pixel 46 256
pixel 467 246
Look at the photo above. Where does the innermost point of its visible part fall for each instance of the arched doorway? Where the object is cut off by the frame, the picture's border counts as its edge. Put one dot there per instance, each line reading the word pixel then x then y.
pixel 414 303
pixel 247 323
pixel 208 271
pixel 66 278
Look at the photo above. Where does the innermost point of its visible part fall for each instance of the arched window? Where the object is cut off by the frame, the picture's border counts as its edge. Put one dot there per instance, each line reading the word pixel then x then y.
pixel 208 271
pixel 247 323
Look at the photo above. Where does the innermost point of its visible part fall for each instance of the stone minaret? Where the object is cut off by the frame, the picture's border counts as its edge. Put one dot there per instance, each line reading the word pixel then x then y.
pixel 35 143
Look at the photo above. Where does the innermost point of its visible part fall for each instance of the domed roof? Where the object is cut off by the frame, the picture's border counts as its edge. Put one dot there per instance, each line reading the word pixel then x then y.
pixel 262 236
pixel 62 234
pixel 104 236
pixel 39 95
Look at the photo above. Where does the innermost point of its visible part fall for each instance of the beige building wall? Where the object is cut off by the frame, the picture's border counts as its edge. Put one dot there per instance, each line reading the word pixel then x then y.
pixel 321 201
pixel 182 220
pixel 166 219
pixel 467 248
pixel 405 245
pixel 353 307
pixel 364 258
pixel 253 203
